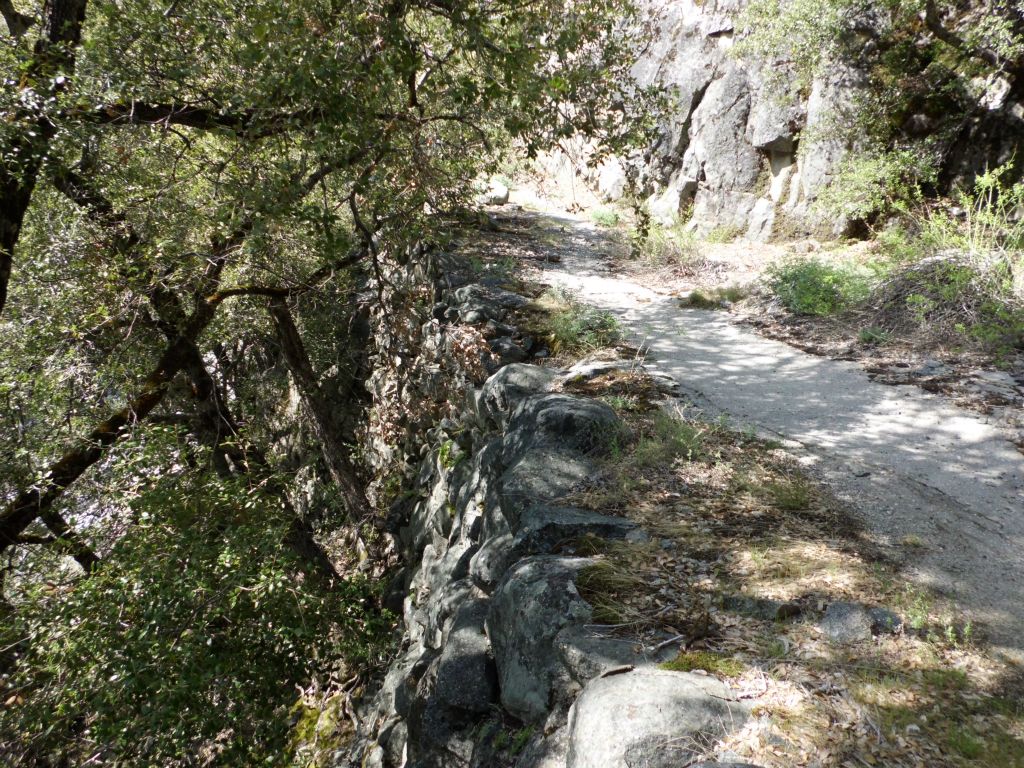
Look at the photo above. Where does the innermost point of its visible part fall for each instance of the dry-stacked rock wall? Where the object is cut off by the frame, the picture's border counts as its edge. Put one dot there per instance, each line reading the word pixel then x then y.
pixel 496 634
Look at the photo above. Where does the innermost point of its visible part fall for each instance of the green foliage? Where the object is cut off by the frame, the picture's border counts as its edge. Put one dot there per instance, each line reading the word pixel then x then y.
pixel 625 403
pixel 804 32
pixel 873 336
pixel 964 266
pixel 965 743
pixel 790 494
pixel 575 327
pixel 669 438
pixel 189 641
pixel 723 234
pixel 990 231
pixel 870 185
pixel 605 217
pixel 520 740
pixel 817 287
pixel 450 454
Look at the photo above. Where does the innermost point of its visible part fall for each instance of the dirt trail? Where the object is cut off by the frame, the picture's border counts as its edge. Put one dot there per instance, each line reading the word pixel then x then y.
pixel 919 470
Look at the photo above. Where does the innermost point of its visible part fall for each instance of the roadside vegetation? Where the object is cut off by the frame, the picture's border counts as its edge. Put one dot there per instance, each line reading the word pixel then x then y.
pixel 208 215
pixel 570 327
pixel 948 278
pixel 744 552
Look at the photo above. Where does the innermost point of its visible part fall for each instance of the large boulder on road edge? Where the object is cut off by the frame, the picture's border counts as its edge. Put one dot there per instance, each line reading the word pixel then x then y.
pixel 649 718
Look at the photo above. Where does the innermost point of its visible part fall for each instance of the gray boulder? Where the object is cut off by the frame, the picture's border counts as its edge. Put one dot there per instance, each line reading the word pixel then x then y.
pixel 852 622
pixel 546 750
pixel 541 530
pixel 586 370
pixel 649 718
pixel 541 474
pixel 499 297
pixel 506 388
pixel 611 180
pixel 593 650
pixel 543 527
pixel 568 422
pixel 535 600
pixel 496 194
pixel 466 677
pixel 491 561
pixel 506 350
pixel 456 692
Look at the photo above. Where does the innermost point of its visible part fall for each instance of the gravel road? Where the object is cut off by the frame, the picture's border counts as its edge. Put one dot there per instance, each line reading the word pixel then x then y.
pixel 915 467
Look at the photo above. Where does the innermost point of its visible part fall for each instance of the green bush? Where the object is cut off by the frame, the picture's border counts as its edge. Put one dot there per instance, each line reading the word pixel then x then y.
pixel 990 231
pixel 723 234
pixel 714 298
pixel 874 336
pixel 186 645
pixel 878 184
pixel 816 287
pixel 605 217
pixel 662 246
pixel 580 328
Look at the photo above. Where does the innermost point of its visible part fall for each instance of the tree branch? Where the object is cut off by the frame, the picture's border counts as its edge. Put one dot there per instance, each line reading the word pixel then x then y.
pixel 17 23
pixel 933 22
pixel 254 123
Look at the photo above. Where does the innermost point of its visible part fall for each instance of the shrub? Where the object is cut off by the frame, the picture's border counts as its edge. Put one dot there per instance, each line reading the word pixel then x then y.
pixel 605 217
pixel 878 184
pixel 874 336
pixel 577 327
pixel 669 438
pixel 815 287
pixel 723 234
pixel 664 246
pixel 715 298
pixel 990 231
pixel 188 641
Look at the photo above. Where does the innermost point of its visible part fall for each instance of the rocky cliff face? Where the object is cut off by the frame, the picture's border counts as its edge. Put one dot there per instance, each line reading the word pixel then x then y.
pixel 749 154
pixel 731 154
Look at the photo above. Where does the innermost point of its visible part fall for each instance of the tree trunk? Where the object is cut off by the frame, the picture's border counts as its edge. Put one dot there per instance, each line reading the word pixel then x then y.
pixel 54 54
pixel 224 436
pixel 321 415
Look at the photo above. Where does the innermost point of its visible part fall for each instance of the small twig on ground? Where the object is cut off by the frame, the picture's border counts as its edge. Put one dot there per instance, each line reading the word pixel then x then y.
pixel 663 643
pixel 758 694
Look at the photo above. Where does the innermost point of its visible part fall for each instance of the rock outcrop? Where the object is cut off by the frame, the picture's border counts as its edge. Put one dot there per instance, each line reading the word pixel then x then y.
pixel 749 149
pixel 729 155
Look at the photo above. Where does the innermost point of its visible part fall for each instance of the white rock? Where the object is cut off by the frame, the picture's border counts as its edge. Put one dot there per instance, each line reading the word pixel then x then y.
pixel 650 717
pixel 611 180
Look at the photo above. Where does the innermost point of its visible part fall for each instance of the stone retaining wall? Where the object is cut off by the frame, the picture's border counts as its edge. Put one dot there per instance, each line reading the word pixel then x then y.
pixel 500 663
